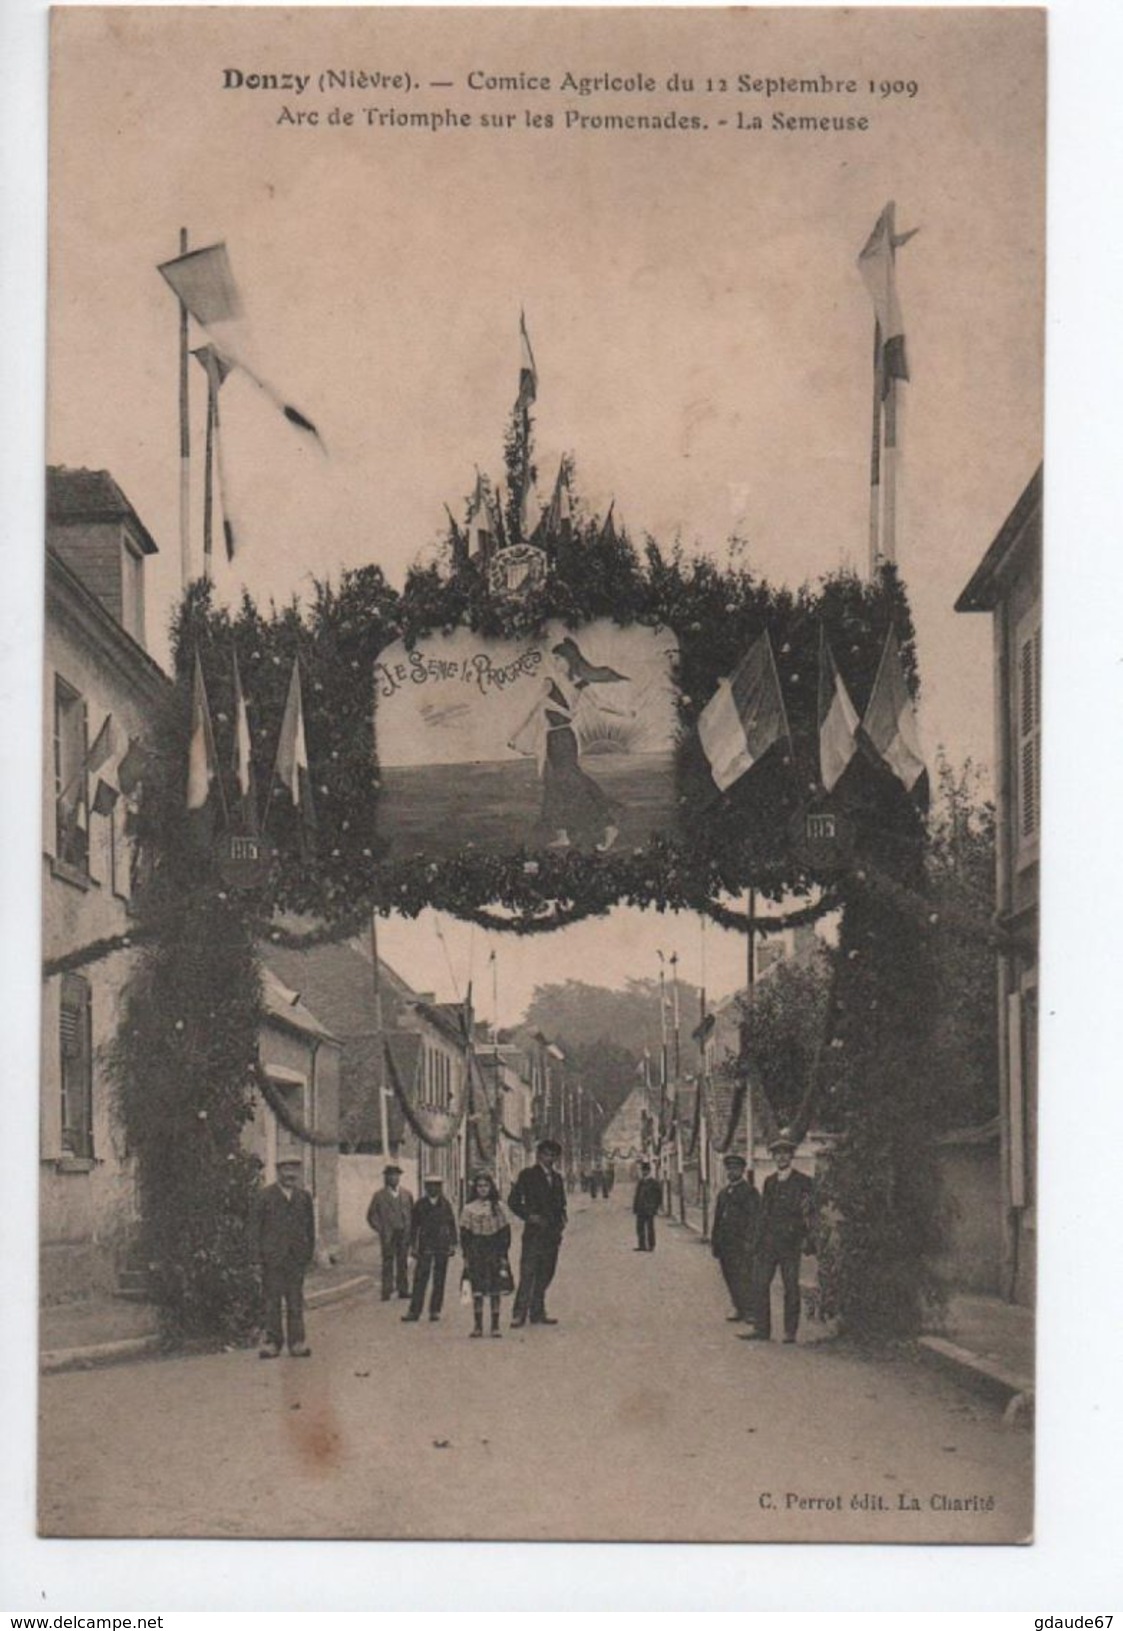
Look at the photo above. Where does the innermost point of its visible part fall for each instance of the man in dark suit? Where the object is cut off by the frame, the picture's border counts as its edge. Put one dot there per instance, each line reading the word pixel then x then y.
pixel 390 1215
pixel 787 1228
pixel 433 1234
pixel 538 1198
pixel 284 1238
pixel 733 1236
pixel 646 1202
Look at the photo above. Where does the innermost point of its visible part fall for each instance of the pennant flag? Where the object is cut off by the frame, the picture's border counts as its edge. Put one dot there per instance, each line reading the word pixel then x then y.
pixel 243 757
pixel 558 519
pixel 704 1030
pixel 608 531
pixel 877 264
pixel 131 770
pixel 528 373
pixel 484 535
pixel 105 799
pixel 204 283
pixel 838 721
pixel 744 717
pixel 889 726
pixel 217 370
pixel 291 768
pixel 202 760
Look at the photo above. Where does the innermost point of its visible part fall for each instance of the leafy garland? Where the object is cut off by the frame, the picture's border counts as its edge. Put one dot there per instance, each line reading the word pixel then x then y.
pixel 197 938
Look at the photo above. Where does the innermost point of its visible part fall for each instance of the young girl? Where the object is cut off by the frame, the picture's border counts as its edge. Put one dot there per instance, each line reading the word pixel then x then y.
pixel 485 1237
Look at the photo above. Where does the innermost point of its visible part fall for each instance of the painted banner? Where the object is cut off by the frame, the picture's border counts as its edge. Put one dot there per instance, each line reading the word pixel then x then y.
pixel 566 740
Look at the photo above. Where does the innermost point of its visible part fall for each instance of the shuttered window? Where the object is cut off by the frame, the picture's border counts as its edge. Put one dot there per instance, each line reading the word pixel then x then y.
pixel 1028 703
pixel 76 1067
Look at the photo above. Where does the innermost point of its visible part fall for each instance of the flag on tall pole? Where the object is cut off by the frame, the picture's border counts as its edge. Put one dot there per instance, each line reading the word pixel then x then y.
pixel 528 372
pixel 217 369
pixel 291 772
pixel 243 758
pixel 838 719
pixel 203 282
pixel 877 265
pixel 889 726
pixel 745 716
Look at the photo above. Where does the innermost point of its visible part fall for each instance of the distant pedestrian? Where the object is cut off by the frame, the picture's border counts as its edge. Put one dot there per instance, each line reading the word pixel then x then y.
pixel 733 1236
pixel 284 1238
pixel 646 1202
pixel 433 1242
pixel 538 1198
pixel 609 1180
pixel 485 1235
pixel 390 1215
pixel 786 1229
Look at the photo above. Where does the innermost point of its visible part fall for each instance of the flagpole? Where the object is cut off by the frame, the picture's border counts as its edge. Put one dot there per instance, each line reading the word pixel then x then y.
pixel 889 519
pixel 184 440
pixel 875 451
pixel 379 1065
pixel 679 1175
pixel 208 475
pixel 703 1119
pixel 748 1029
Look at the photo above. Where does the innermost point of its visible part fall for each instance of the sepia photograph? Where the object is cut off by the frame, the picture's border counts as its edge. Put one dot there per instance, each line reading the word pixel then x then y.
pixel 541 765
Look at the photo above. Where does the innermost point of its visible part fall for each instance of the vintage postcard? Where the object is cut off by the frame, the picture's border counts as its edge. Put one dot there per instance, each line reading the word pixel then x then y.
pixel 541 766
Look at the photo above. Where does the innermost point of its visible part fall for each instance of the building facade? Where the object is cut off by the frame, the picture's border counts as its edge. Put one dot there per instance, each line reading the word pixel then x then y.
pixel 1007 583
pixel 103 695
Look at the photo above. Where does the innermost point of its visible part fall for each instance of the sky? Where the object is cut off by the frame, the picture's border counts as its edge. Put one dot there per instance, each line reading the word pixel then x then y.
pixel 702 336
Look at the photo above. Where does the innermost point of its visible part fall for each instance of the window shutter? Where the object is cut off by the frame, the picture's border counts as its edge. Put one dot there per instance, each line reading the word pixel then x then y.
pixel 1029 734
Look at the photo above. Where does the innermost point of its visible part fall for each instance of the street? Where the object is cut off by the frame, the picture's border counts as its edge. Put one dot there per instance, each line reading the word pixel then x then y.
pixel 638 1417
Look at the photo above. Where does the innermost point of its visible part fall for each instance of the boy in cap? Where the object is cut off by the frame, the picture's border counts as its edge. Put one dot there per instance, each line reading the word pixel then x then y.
pixel 733 1236
pixel 390 1215
pixel 433 1241
pixel 284 1238
pixel 538 1198
pixel 787 1220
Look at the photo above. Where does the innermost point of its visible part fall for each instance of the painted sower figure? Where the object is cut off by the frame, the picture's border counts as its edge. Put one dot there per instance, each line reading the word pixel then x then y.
pixel 284 1237
pixel 733 1236
pixel 646 1202
pixel 433 1241
pixel 538 1198
pixel 485 1235
pixel 787 1226
pixel 390 1215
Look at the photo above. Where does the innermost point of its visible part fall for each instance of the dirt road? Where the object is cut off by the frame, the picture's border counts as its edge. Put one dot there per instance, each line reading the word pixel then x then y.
pixel 639 1416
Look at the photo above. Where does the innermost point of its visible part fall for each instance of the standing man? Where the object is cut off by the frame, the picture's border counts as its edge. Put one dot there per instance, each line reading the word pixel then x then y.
pixel 647 1201
pixel 284 1238
pixel 733 1236
pixel 390 1215
pixel 433 1235
pixel 787 1228
pixel 538 1198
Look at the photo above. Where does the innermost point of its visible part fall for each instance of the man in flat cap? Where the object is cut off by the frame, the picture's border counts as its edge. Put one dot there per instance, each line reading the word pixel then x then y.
pixel 538 1198
pixel 646 1202
pixel 733 1236
pixel 787 1226
pixel 284 1238
pixel 390 1215
pixel 433 1234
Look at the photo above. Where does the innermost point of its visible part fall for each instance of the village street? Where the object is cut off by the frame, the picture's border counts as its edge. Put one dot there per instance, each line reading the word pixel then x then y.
pixel 639 1416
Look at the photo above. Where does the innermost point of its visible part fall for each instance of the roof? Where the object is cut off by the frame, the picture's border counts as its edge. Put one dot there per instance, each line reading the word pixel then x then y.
pixel 91 495
pixel 446 1017
pixel 338 981
pixel 284 1007
pixel 1015 537
pixel 69 598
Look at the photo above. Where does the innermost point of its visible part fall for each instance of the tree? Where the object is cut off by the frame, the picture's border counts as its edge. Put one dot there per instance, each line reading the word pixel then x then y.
pixel 784 1032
